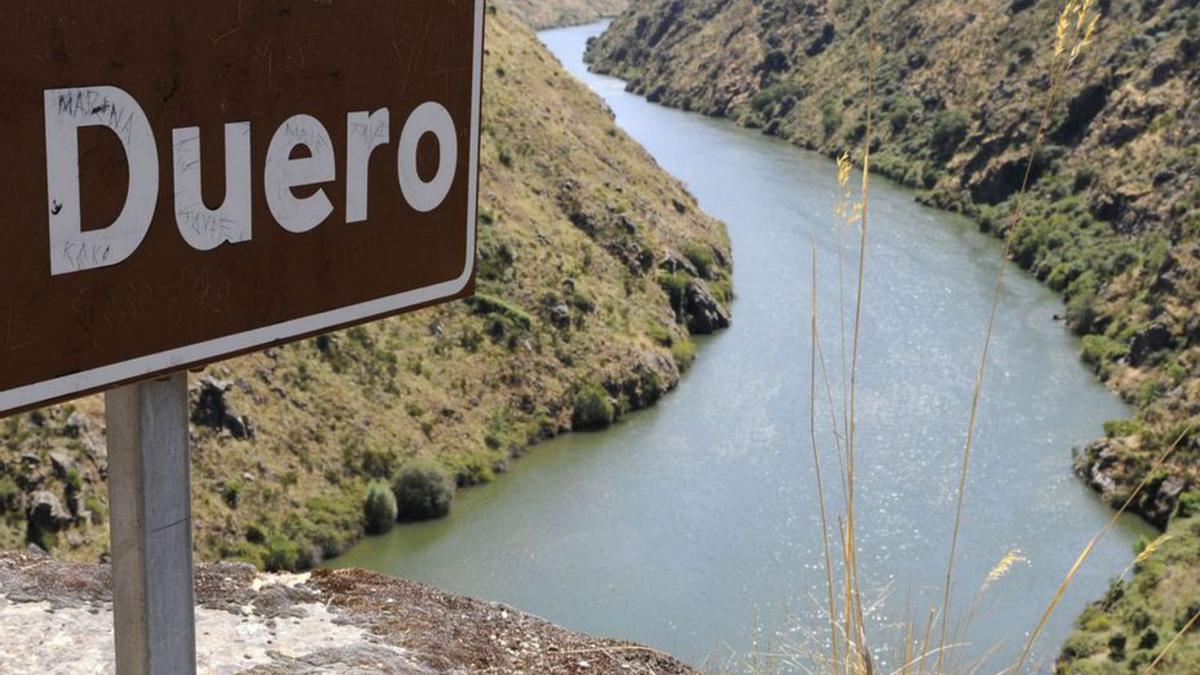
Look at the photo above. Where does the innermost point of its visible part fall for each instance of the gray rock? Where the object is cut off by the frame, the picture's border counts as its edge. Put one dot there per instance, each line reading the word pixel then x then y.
pixel 77 425
pixel 213 409
pixel 673 262
pixel 47 513
pixel 560 315
pixel 704 314
pixel 1154 338
pixel 63 464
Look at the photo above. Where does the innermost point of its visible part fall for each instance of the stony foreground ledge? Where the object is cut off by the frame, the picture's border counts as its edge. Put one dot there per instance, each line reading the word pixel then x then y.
pixel 57 617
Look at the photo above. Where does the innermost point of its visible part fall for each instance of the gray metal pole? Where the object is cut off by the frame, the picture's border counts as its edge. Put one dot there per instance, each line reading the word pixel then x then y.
pixel 150 508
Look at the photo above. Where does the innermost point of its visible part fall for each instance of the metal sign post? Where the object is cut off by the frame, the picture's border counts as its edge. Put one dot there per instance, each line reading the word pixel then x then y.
pixel 151 527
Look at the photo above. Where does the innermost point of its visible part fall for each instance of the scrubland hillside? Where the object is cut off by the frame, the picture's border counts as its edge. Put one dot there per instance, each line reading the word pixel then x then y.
pixel 1112 221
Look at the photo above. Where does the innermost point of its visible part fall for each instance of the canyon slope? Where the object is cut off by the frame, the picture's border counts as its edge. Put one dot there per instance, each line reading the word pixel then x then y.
pixel 962 91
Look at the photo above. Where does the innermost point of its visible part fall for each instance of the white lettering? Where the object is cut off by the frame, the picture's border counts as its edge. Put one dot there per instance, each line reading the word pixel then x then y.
pixel 364 133
pixel 67 111
pixel 204 228
pixel 283 173
pixel 428 118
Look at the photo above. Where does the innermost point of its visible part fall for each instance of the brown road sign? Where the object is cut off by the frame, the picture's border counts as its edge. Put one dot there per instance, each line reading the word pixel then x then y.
pixel 185 181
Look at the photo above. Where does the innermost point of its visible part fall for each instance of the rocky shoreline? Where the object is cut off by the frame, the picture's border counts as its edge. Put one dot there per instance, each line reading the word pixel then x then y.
pixel 56 616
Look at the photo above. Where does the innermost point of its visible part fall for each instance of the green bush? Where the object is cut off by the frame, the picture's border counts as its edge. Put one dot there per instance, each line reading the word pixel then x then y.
pixel 9 495
pixel 593 408
pixel 232 493
pixel 949 131
pixel 1099 351
pixel 1082 645
pixel 379 508
pixel 1119 428
pixel 702 257
pixel 487 304
pixel 684 353
pixel 282 555
pixel 1189 504
pixel 423 491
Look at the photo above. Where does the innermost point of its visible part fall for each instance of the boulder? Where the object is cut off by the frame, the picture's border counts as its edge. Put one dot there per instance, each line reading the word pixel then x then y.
pixel 705 315
pixel 46 512
pixel 213 409
pixel 1158 505
pixel 63 464
pixel 1154 338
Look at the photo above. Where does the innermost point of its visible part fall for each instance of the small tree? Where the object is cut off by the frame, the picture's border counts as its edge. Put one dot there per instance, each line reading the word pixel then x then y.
pixel 379 509
pixel 422 491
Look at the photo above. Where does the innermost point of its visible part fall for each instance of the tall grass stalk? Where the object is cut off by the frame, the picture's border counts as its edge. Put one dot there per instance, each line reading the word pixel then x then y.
pixel 1074 31
pixel 812 420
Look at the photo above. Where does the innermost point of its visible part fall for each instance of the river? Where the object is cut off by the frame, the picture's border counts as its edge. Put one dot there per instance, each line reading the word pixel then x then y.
pixel 693 527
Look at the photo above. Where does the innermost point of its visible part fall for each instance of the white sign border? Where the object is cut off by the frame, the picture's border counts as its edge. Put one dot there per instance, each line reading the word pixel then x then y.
pixel 204 352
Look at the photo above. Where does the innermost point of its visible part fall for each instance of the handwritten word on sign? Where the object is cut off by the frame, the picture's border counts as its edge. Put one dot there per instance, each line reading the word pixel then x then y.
pixel 191 181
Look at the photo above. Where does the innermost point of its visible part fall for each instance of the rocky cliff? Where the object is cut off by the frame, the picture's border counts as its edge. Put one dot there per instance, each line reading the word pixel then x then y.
pixel 595 267
pixel 56 617
pixel 1113 217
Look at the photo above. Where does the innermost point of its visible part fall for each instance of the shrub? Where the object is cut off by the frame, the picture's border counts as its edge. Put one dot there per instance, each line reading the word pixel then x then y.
pixel 232 493
pixel 1189 504
pixel 702 257
pixel 1148 639
pixel 684 353
pixel 377 463
pixel 1119 428
pixel 487 304
pixel 593 408
pixel 423 491
pixel 949 131
pixel 1099 351
pixel 1081 646
pixel 9 494
pixel 1116 646
pixel 379 509
pixel 282 554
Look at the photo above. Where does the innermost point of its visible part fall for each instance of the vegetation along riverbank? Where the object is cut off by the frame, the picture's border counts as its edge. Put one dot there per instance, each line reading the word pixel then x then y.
pixel 595 269
pixel 1111 220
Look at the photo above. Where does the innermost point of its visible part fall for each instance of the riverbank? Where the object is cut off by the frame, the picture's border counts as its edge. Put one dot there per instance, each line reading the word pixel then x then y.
pixel 56 617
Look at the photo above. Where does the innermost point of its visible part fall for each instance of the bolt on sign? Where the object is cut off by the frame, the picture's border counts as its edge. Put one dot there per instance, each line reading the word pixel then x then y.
pixel 187 181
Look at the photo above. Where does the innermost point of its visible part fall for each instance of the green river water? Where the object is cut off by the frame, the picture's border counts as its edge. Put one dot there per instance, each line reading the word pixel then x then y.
pixel 693 527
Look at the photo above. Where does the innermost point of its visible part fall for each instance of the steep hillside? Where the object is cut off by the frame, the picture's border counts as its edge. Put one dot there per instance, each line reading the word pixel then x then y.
pixel 1113 221
pixel 555 13
pixel 594 269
